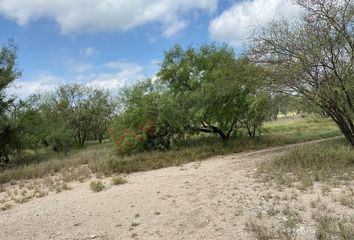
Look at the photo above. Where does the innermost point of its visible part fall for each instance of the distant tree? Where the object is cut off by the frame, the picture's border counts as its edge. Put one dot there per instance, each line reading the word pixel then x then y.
pixel 314 57
pixel 74 112
pixel 8 73
pixel 257 111
pixel 29 123
pixel 102 109
pixel 211 86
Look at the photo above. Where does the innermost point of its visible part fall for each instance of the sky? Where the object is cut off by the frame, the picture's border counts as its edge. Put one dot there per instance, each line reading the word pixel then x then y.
pixel 114 43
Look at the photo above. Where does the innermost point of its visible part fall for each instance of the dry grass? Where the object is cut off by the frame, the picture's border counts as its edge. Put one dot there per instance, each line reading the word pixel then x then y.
pixel 260 231
pixel 118 181
pixel 329 227
pixel 330 161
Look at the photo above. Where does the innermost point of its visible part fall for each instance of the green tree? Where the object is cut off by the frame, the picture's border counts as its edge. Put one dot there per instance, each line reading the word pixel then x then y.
pixel 258 110
pixel 211 86
pixel 8 73
pixel 149 119
pixel 102 109
pixel 313 57
pixel 29 123
pixel 74 113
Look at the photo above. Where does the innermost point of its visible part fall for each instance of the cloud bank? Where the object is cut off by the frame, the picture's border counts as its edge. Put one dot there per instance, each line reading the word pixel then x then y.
pixel 106 15
pixel 237 23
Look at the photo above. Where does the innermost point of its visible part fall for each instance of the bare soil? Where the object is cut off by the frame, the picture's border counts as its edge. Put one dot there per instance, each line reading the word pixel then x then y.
pixel 212 199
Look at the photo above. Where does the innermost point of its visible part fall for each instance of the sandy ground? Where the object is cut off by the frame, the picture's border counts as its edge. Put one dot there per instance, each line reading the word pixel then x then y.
pixel 212 199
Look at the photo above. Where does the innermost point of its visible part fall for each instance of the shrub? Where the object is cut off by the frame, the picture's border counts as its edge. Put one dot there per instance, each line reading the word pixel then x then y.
pixel 97 186
pixel 118 181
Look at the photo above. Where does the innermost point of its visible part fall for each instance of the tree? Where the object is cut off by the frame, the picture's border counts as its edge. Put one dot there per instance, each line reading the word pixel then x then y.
pixel 102 110
pixel 74 112
pixel 29 123
pixel 313 57
pixel 149 119
pixel 8 73
pixel 211 86
pixel 258 109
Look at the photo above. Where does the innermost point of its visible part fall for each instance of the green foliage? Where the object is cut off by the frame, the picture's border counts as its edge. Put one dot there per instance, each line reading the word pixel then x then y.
pixel 8 73
pixel 313 58
pixel 97 186
pixel 256 113
pixel 29 123
pixel 211 86
pixel 101 159
pixel 150 119
pixel 118 181
pixel 74 113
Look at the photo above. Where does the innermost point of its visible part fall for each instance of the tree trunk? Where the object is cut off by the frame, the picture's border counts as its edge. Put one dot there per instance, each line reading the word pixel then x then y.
pixel 211 129
pixel 343 122
pixel 225 138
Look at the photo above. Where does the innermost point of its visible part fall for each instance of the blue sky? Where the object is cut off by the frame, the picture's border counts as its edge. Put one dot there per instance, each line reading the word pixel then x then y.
pixel 111 44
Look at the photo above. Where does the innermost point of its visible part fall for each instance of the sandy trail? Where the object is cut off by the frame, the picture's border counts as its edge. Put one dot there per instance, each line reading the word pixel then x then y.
pixel 212 199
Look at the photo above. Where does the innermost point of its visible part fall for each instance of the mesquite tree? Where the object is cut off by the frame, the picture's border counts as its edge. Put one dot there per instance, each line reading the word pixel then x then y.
pixel 313 57
pixel 211 87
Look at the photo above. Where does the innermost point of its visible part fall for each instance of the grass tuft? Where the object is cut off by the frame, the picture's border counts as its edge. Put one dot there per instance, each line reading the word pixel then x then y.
pixel 259 231
pixel 97 186
pixel 118 181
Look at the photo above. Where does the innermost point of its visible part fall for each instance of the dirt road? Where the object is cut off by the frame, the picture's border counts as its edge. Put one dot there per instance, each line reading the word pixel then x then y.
pixel 212 199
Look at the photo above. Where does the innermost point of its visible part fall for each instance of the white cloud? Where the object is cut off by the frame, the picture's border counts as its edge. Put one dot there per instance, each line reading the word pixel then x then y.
pixel 174 28
pixel 45 82
pixel 237 23
pixel 120 74
pixel 105 15
pixel 125 73
pixel 89 51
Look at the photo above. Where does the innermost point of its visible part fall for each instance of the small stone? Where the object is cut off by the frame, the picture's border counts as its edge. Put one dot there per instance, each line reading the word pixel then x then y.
pixel 93 236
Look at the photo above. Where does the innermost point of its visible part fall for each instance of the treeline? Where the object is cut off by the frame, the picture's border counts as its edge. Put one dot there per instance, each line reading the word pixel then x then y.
pixel 60 120
pixel 198 90
pixel 304 65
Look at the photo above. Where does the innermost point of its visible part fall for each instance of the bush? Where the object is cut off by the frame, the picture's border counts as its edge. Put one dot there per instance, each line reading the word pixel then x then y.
pixel 97 186
pixel 118 181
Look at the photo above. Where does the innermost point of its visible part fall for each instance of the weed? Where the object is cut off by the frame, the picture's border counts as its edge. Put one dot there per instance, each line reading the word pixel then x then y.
pixel 118 181
pixel 97 186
